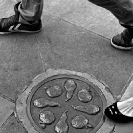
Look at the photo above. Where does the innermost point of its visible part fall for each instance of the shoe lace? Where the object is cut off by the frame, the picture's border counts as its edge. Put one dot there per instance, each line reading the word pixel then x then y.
pixel 7 22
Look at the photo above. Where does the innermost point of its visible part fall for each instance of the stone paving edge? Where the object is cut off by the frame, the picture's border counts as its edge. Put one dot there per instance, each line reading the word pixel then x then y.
pixel 6 109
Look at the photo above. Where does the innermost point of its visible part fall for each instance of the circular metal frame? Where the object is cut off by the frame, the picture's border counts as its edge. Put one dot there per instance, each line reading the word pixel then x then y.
pixel 60 77
pixel 22 102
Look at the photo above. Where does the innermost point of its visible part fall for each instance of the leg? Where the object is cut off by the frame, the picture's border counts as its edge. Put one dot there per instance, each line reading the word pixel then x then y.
pixel 30 10
pixel 122 111
pixel 27 18
pixel 123 11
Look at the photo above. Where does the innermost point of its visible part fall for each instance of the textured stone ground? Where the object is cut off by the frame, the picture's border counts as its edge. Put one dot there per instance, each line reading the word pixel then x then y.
pixel 73 37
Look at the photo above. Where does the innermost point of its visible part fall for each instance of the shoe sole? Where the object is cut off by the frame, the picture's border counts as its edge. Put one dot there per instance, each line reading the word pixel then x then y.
pixel 120 47
pixel 30 32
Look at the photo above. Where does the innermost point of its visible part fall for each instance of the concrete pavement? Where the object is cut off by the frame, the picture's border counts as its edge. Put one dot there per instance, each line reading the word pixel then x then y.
pixel 74 37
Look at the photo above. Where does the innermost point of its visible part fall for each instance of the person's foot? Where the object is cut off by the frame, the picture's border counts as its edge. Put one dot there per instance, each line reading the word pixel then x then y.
pixel 12 24
pixel 113 113
pixel 123 41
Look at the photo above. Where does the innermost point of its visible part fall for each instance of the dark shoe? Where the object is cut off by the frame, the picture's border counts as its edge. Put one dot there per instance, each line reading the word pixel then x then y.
pixel 12 24
pixel 123 41
pixel 113 113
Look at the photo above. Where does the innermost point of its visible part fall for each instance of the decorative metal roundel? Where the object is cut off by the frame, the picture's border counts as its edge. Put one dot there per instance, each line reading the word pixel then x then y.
pixel 65 104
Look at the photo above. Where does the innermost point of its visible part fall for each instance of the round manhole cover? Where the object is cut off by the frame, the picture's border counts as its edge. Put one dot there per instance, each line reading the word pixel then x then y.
pixel 66 104
pixel 64 101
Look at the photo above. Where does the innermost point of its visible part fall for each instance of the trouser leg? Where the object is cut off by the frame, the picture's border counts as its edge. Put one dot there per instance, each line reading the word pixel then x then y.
pixel 126 107
pixel 30 10
pixel 121 9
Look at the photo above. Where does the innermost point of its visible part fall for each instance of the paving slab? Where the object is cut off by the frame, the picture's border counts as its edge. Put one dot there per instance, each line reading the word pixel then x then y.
pixel 12 126
pixel 20 62
pixel 123 128
pixel 6 109
pixel 71 47
pixel 85 14
pixel 64 45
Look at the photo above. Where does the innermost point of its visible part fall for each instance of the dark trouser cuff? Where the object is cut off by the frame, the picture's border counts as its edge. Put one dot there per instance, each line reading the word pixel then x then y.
pixel 126 26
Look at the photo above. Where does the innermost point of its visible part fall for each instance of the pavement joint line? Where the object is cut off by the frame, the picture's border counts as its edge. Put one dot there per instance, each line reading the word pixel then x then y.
pixel 7 108
pixel 40 54
pixel 80 27
pixel 7 98
pixel 6 121
pixel 113 129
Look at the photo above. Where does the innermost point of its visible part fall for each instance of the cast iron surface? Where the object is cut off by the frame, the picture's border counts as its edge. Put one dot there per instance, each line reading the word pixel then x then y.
pixel 66 104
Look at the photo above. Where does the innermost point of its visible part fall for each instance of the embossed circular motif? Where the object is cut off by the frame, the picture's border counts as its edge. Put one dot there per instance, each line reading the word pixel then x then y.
pixel 65 104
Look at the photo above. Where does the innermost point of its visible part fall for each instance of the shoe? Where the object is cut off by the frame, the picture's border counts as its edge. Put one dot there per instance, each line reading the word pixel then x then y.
pixel 113 113
pixel 12 24
pixel 123 41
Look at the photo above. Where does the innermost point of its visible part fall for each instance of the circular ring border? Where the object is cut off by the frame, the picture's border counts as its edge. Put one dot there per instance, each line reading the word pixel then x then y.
pixel 22 102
